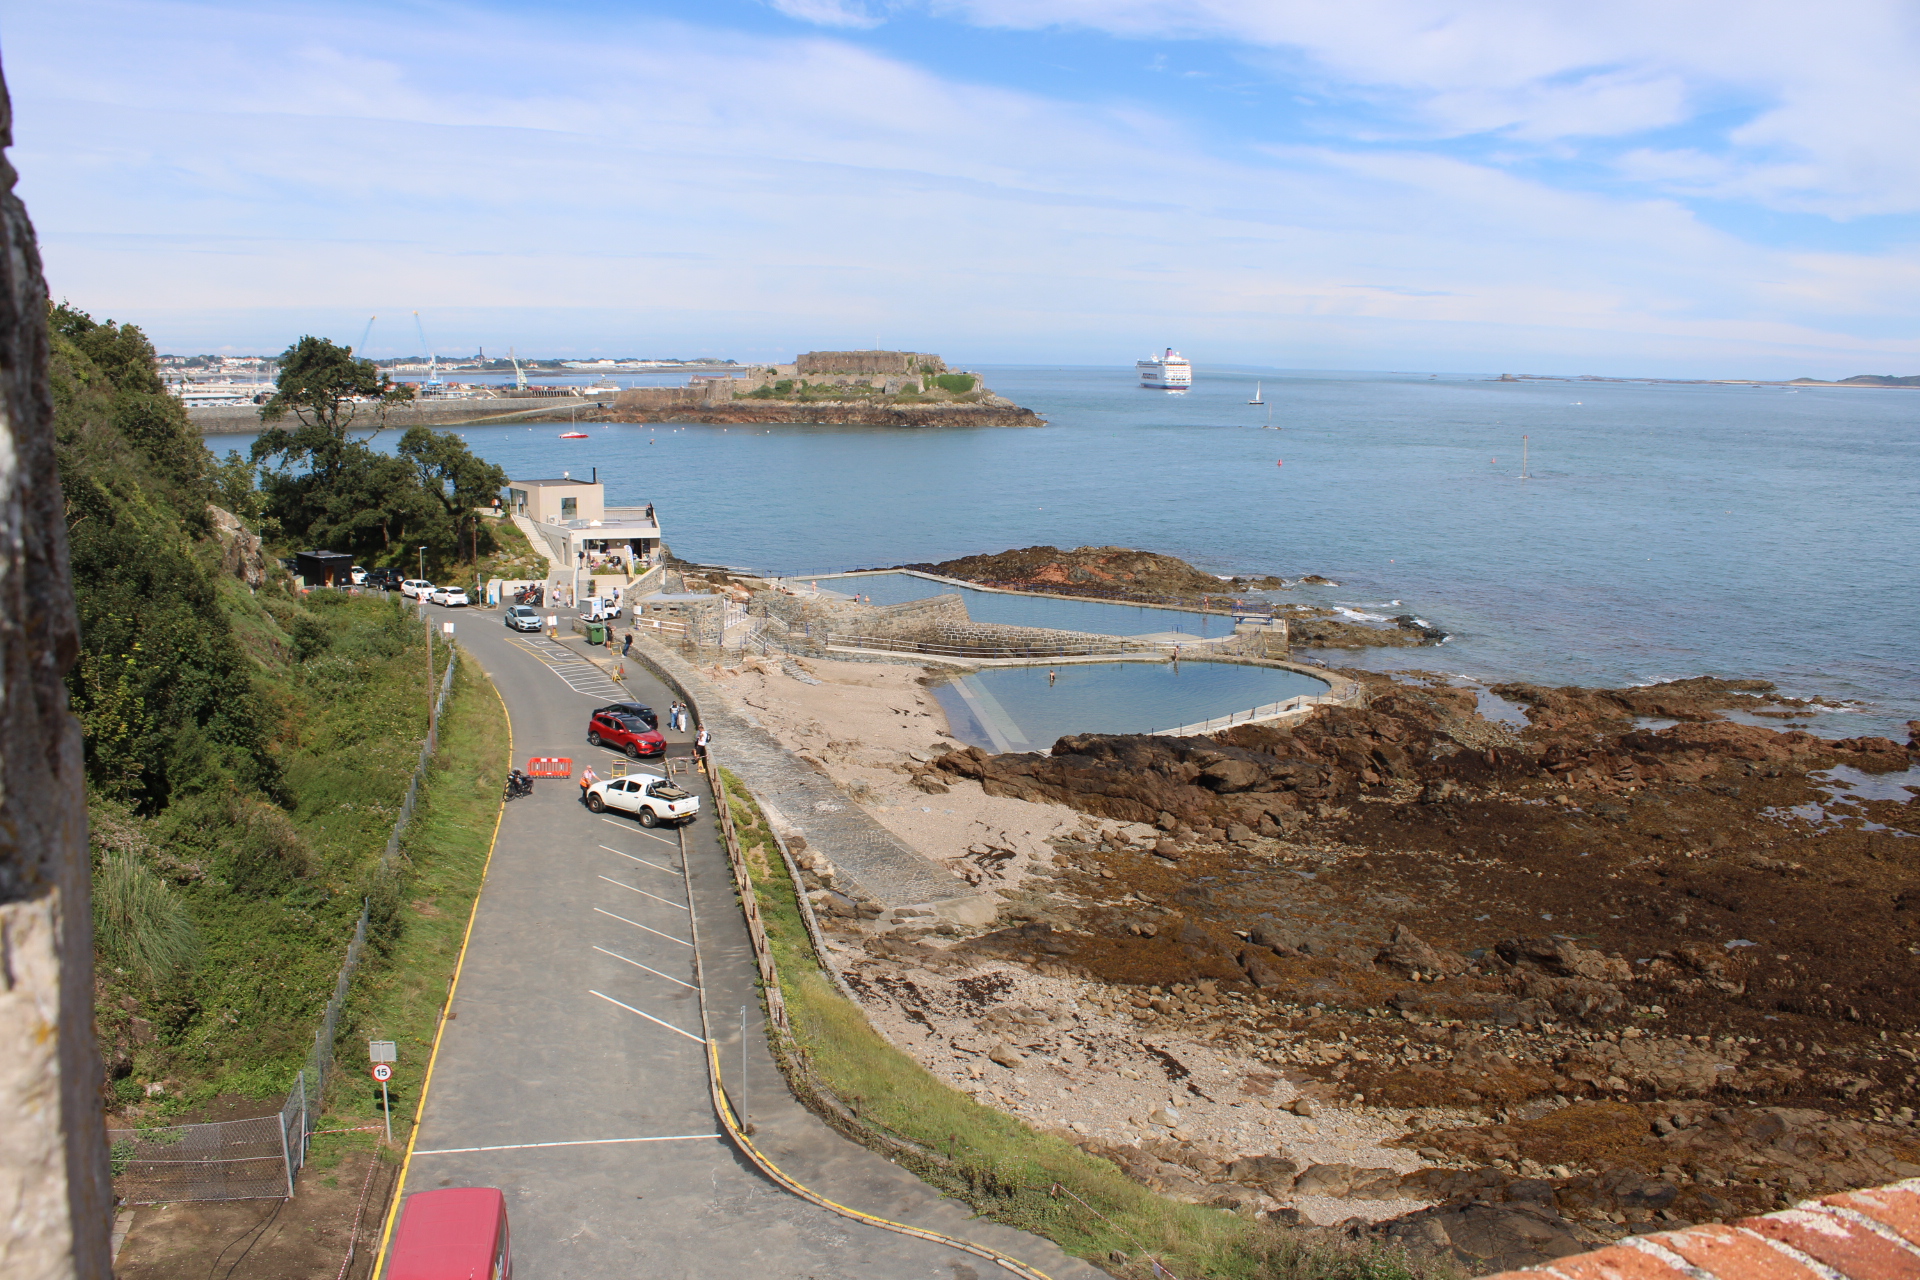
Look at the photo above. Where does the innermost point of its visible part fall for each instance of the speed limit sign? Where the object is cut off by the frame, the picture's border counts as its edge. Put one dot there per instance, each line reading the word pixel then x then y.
pixel 382 1072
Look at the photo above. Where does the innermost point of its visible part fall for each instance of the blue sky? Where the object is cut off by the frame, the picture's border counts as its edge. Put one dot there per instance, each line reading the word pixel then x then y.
pixel 1684 188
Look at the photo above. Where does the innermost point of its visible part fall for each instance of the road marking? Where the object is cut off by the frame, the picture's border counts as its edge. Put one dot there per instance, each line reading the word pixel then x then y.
pixel 584 1142
pixel 630 831
pixel 575 671
pixel 642 861
pixel 643 893
pixel 649 1017
pixel 655 972
pixel 636 924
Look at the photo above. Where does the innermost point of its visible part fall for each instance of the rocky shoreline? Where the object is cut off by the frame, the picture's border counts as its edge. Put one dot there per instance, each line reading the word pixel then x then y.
pixel 833 412
pixel 1123 575
pixel 1399 970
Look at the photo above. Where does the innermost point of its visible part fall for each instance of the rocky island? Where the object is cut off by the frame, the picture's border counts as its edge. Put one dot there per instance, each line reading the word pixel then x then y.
pixel 1147 577
pixel 866 388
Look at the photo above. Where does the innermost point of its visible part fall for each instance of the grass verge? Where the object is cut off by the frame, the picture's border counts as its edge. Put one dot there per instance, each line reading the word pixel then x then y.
pixel 1005 1170
pixel 402 987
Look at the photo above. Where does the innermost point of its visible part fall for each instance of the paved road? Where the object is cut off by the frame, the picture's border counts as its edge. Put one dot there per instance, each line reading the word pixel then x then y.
pixel 572 1072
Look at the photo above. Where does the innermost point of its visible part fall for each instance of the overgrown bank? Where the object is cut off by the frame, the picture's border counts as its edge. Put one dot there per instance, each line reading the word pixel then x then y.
pixel 1036 1181
pixel 248 746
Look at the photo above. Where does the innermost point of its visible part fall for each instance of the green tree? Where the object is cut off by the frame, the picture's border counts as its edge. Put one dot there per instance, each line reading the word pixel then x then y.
pixel 119 364
pixel 161 685
pixel 454 476
pixel 324 385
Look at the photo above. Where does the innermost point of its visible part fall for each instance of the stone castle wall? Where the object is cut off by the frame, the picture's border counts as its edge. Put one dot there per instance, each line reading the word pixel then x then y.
pixel 885 364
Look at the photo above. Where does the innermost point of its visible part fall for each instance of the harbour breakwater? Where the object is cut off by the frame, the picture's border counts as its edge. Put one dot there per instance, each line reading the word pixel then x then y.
pixel 239 419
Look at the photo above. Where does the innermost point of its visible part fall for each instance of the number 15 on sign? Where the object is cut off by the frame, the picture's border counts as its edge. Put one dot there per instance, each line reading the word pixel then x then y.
pixel 383 1072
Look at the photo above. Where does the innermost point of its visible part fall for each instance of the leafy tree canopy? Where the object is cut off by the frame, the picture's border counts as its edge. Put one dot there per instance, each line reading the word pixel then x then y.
pixel 324 386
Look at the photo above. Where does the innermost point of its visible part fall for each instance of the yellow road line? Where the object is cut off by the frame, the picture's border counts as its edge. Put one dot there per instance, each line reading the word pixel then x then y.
pixel 400 1187
pixel 768 1167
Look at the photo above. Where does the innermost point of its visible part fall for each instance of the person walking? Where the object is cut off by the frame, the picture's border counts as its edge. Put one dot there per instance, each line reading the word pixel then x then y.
pixel 587 779
pixel 626 645
pixel 700 742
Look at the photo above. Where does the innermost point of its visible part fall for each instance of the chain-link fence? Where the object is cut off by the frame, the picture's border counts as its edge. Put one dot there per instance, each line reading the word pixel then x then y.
pixel 257 1159
pixel 226 1160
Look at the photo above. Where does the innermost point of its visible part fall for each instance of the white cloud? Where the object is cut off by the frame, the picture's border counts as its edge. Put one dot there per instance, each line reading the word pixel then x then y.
pixel 668 188
pixel 1830 91
pixel 828 13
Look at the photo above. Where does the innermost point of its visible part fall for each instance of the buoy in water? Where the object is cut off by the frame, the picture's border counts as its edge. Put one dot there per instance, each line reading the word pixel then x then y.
pixel 1281 463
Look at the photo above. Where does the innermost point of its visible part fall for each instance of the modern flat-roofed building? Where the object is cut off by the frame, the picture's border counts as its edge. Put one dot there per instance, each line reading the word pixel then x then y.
pixel 581 531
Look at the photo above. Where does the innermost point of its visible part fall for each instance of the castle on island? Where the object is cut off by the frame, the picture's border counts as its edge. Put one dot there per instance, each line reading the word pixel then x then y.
pixel 892 377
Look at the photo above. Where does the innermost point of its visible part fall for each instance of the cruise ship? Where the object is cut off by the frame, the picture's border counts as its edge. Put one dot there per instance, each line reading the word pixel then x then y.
pixel 1169 372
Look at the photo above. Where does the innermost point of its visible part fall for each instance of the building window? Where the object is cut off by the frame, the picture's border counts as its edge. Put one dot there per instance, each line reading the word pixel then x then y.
pixel 569 508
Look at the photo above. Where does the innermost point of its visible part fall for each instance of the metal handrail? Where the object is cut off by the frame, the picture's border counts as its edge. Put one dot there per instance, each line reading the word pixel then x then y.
pixel 934 648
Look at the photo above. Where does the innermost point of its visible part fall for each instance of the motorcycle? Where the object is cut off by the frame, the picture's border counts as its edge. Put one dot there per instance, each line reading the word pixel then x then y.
pixel 518 784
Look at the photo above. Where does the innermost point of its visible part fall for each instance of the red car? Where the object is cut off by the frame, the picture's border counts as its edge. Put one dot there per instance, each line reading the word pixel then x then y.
pixel 625 733
pixel 458 1233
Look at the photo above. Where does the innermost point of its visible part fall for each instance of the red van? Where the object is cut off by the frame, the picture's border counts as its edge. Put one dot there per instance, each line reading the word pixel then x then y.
pixel 458 1233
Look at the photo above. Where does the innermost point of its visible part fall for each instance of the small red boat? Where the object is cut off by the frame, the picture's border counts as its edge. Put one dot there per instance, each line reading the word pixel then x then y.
pixel 573 435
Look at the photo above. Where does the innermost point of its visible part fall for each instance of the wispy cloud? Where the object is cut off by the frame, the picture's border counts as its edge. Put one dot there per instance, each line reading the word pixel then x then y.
pixel 560 180
pixel 829 13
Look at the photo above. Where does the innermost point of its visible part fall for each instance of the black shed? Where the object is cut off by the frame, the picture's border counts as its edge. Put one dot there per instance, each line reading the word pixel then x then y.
pixel 324 568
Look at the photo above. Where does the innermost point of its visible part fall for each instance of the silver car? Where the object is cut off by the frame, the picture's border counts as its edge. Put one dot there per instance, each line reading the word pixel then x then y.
pixel 522 618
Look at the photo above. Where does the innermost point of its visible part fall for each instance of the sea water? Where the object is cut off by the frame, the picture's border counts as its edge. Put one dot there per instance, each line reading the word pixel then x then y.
pixel 1663 531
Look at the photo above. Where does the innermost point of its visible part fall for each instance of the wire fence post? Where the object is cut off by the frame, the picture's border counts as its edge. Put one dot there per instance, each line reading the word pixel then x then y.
pixel 286 1156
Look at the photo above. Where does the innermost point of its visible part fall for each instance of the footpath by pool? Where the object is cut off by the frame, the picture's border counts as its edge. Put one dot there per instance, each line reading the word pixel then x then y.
pixel 1015 709
pixel 1031 610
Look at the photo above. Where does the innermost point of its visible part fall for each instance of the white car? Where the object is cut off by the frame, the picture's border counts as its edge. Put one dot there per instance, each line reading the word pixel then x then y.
pixel 521 618
pixel 448 595
pixel 359 576
pixel 601 610
pixel 647 796
pixel 415 587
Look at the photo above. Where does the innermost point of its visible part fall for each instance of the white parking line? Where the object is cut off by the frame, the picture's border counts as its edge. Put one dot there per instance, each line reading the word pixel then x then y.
pixel 579 675
pixel 655 972
pixel 636 924
pixel 583 1142
pixel 643 893
pixel 649 1017
pixel 642 861
pixel 630 831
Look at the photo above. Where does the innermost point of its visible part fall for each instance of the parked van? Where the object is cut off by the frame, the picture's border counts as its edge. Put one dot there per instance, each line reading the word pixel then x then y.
pixel 456 1233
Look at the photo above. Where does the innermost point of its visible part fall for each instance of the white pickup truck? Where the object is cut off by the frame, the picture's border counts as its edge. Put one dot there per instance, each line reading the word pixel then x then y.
pixel 600 609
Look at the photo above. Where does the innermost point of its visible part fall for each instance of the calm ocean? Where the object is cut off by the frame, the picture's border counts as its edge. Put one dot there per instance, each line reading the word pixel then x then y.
pixel 1666 530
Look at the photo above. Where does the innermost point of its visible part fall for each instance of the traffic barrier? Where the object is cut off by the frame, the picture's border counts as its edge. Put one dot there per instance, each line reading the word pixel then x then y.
pixel 550 767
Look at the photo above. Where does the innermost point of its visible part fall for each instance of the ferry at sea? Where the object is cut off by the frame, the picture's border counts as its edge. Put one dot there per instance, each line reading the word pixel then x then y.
pixel 1167 372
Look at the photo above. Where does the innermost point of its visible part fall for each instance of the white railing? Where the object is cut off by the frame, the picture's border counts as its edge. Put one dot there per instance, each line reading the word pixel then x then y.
pixel 1270 711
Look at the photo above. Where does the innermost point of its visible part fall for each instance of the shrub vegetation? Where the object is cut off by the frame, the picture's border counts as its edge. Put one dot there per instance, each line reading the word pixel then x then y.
pixel 247 750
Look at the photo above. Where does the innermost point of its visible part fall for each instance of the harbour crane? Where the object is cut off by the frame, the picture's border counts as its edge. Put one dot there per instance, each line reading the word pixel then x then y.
pixel 519 374
pixel 365 333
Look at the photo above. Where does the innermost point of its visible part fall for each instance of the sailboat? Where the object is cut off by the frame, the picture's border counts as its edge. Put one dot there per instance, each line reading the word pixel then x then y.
pixel 1256 395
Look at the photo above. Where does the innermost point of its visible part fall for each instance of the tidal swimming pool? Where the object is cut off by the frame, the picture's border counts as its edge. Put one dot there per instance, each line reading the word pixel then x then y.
pixel 1034 611
pixel 1015 709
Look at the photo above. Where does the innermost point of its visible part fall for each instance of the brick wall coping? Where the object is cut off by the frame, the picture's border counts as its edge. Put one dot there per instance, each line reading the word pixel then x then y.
pixel 1856 1235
